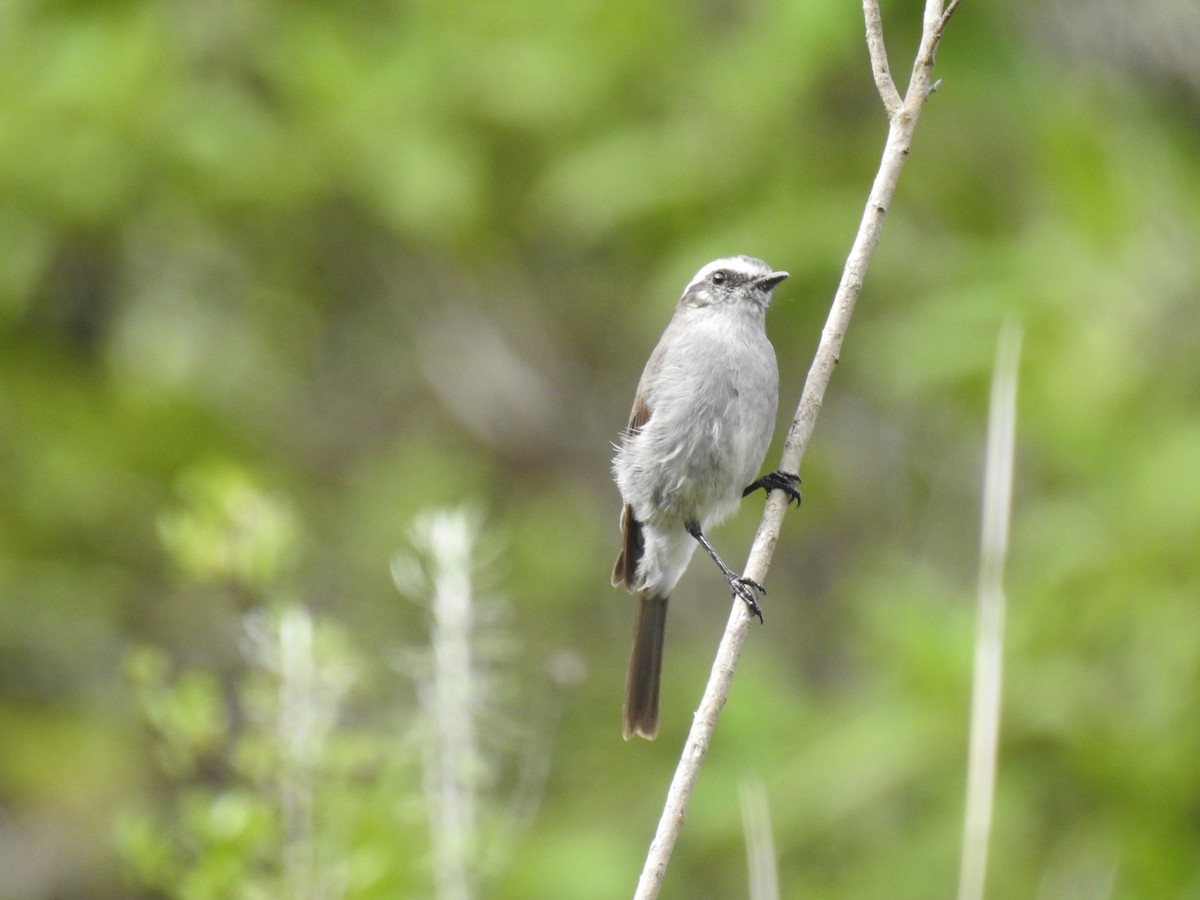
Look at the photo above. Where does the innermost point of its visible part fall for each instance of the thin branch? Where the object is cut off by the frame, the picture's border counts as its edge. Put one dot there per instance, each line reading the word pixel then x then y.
pixel 895 152
pixel 936 19
pixel 989 631
pixel 879 60
pixel 943 21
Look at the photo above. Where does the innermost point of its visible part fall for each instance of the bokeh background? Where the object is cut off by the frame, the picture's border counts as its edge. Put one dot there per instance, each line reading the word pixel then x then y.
pixel 287 286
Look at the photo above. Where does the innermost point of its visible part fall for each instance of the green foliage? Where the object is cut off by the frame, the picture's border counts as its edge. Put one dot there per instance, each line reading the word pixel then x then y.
pixel 286 775
pixel 262 792
pixel 228 530
pixel 274 277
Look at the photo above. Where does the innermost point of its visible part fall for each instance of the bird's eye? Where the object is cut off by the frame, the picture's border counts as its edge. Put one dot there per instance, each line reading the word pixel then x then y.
pixel 720 277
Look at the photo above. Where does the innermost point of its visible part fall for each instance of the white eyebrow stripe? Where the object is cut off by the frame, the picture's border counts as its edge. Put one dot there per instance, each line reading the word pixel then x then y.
pixel 740 264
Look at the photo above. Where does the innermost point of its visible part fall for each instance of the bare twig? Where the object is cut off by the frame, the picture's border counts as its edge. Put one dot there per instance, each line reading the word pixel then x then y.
pixel 943 21
pixel 902 121
pixel 989 632
pixel 879 60
pixel 936 20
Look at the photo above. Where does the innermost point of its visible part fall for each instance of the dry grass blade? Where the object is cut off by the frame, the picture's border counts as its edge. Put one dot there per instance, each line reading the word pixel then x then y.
pixel 760 842
pixel 989 634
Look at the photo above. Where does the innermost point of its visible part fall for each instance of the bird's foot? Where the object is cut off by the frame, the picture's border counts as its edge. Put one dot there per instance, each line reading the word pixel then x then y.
pixel 777 481
pixel 744 589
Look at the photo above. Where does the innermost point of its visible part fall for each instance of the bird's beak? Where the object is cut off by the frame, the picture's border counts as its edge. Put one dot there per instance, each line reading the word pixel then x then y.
pixel 767 282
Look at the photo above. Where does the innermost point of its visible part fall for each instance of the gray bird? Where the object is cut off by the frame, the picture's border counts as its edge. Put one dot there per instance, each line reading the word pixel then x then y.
pixel 701 422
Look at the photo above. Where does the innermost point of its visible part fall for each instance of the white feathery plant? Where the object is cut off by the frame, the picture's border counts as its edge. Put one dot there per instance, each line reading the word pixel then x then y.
pixel 313 668
pixel 466 730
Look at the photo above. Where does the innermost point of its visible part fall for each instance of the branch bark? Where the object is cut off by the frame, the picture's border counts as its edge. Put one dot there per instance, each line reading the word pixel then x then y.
pixel 902 119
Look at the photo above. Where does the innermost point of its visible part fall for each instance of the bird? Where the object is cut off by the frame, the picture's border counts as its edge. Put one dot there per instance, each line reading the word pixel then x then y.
pixel 702 420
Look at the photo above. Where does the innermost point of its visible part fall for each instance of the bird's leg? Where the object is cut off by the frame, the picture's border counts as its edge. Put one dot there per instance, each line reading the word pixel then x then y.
pixel 777 481
pixel 743 588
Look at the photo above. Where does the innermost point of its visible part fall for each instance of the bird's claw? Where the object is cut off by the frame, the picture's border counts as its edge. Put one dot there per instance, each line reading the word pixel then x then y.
pixel 778 481
pixel 744 590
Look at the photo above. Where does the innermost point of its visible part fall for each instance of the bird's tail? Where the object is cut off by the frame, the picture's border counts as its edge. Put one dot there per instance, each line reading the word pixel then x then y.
pixel 645 666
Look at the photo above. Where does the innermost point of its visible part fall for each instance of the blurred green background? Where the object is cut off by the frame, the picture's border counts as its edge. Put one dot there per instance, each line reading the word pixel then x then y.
pixel 277 279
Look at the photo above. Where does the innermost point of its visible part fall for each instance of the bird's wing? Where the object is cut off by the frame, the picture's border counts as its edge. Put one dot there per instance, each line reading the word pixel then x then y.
pixel 632 542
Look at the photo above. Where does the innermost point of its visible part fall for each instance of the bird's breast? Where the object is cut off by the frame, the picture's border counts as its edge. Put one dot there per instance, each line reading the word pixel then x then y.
pixel 713 410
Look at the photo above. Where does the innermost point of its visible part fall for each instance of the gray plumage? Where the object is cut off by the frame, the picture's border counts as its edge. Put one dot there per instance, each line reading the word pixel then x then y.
pixel 701 423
